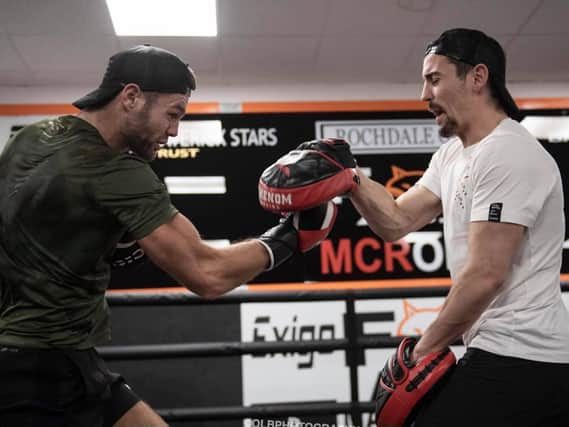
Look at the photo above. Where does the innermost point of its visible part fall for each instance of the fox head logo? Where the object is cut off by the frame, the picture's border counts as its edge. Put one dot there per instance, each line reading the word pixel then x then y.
pixel 402 180
pixel 415 320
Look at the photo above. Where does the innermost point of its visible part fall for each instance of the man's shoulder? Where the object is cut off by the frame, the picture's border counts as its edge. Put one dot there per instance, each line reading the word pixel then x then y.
pixel 448 149
pixel 510 131
pixel 127 169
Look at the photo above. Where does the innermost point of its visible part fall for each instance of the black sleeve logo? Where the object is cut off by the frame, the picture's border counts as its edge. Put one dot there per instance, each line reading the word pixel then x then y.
pixel 495 212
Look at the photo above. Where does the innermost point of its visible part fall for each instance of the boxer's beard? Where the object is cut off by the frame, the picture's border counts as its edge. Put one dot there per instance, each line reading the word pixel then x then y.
pixel 449 128
pixel 140 139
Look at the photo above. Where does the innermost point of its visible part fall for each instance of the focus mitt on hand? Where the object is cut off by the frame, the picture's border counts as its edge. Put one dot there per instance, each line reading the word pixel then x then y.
pixel 298 232
pixel 403 384
pixel 313 173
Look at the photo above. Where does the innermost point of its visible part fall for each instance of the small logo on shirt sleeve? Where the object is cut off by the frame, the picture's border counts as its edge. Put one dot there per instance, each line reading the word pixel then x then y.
pixel 495 212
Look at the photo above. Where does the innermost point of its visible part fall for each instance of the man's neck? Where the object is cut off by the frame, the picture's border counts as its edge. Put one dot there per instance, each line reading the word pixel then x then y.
pixel 482 124
pixel 105 121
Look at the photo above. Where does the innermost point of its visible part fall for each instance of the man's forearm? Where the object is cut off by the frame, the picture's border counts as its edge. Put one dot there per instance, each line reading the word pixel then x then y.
pixel 378 207
pixel 469 296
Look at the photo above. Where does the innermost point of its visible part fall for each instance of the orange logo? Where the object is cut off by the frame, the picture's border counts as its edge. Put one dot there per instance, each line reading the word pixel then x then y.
pixel 416 320
pixel 402 180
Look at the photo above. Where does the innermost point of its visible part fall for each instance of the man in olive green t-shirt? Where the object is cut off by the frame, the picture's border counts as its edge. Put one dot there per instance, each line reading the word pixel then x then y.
pixel 70 188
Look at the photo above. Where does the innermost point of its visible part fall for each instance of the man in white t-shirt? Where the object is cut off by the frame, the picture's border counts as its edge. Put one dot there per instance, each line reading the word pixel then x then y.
pixel 502 200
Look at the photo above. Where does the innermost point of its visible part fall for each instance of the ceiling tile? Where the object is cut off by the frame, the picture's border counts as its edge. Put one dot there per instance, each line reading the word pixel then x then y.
pixel 11 60
pixel 496 17
pixel 16 78
pixel 364 57
pixel 361 17
pixel 39 17
pixel 66 54
pixel 246 53
pixel 550 18
pixel 65 42
pixel 68 77
pixel 538 58
pixel 271 17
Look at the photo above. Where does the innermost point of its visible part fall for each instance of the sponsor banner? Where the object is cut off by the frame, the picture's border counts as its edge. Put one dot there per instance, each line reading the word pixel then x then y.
pixel 210 133
pixel 384 136
pixel 293 376
pixel 196 135
pixel 316 376
pixel 212 169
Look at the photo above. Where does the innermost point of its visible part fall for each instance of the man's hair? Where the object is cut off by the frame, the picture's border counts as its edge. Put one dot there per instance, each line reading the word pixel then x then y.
pixel 462 69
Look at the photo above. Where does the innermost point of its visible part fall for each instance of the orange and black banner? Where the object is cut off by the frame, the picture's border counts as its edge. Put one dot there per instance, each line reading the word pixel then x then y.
pixel 213 166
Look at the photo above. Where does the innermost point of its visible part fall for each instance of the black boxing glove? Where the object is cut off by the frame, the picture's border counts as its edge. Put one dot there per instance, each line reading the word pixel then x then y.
pixel 298 232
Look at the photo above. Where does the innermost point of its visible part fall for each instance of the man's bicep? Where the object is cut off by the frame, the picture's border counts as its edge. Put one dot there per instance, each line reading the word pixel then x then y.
pixel 420 206
pixel 176 247
pixel 493 247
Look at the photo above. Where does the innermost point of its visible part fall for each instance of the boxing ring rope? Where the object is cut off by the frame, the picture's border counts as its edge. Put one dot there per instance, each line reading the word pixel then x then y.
pixel 352 344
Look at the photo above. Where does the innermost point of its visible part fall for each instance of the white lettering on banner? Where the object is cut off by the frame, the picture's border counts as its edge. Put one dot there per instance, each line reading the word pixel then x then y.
pixel 421 240
pixel 210 134
pixel 245 137
pixel 384 136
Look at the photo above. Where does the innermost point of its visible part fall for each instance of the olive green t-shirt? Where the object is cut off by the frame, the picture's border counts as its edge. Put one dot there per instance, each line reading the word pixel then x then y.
pixel 65 201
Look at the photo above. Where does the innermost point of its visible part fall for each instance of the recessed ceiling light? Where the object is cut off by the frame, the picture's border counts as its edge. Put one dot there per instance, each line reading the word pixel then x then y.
pixel 178 18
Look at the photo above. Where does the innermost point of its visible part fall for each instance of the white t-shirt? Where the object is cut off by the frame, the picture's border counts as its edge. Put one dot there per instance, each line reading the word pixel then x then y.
pixel 508 177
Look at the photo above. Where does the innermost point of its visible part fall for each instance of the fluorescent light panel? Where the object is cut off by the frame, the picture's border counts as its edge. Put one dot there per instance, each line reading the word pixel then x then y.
pixel 195 184
pixel 163 17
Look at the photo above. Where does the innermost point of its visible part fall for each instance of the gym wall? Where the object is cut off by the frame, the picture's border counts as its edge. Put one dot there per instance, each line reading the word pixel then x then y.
pixel 393 143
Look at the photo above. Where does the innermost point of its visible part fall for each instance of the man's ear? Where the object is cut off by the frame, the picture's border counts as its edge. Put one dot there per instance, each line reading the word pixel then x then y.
pixel 130 96
pixel 480 77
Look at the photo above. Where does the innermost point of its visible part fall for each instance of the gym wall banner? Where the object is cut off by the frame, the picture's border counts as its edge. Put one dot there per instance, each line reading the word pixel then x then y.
pixel 212 168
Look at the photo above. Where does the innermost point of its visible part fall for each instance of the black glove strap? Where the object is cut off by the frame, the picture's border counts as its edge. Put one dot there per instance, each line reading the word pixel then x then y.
pixel 281 242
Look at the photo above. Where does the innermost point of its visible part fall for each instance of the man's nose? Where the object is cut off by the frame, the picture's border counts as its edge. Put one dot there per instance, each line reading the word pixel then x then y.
pixel 173 129
pixel 426 94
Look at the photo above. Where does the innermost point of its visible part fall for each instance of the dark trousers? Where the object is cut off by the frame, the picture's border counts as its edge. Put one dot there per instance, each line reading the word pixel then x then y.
pixel 59 388
pixel 496 391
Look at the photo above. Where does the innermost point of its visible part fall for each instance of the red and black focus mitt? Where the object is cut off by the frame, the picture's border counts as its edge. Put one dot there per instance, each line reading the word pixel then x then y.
pixel 313 173
pixel 402 384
